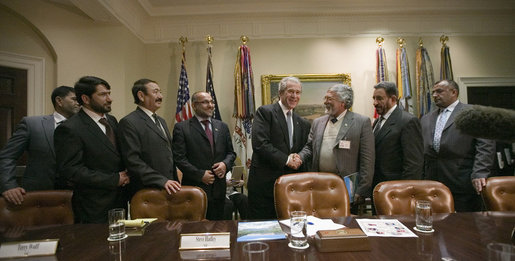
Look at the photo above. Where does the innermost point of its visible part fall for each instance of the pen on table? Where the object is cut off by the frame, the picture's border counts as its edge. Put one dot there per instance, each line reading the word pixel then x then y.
pixel 310 223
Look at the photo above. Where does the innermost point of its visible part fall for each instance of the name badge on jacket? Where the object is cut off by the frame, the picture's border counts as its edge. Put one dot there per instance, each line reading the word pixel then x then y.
pixel 344 144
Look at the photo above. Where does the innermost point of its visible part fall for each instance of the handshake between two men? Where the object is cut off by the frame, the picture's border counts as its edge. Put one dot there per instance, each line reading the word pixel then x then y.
pixel 294 161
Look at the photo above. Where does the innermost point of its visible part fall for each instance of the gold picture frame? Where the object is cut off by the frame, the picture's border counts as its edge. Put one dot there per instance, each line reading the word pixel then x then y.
pixel 314 87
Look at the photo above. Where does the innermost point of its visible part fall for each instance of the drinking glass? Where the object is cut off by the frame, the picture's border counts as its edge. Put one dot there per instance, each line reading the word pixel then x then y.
pixel 424 216
pixel 500 252
pixel 298 223
pixel 255 251
pixel 116 224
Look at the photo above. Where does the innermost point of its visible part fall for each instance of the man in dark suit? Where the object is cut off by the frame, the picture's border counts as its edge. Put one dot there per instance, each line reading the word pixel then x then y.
pixel 35 134
pixel 398 138
pixel 342 142
pixel 459 161
pixel 87 154
pixel 146 143
pixel 202 149
pixel 277 134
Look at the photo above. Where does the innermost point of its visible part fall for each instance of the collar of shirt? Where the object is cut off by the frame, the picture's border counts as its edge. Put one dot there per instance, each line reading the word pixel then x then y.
pixel 390 111
pixel 147 112
pixel 451 107
pixel 285 110
pixel 200 119
pixel 58 118
pixel 93 114
pixel 340 116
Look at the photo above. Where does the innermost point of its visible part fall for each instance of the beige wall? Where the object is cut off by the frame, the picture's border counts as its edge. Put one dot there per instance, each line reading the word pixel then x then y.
pixel 85 47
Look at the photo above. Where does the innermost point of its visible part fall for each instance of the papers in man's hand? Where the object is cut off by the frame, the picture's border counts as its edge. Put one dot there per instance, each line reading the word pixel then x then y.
pixel 315 224
pixel 384 228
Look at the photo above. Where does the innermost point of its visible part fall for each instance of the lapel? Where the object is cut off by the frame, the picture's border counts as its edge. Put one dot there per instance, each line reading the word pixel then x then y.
pixel 450 121
pixel 95 130
pixel 148 121
pixel 196 125
pixel 432 122
pixel 216 127
pixel 48 124
pixel 389 124
pixel 281 119
pixel 320 128
pixel 347 122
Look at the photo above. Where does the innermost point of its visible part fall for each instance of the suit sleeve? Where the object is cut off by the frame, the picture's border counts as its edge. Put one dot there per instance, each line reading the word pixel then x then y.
pixel 484 158
pixel 366 159
pixel 131 151
pixel 179 148
pixel 412 150
pixel 69 150
pixel 10 154
pixel 261 140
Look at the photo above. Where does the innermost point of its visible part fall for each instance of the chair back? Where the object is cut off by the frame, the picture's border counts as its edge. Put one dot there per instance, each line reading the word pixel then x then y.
pixel 39 208
pixel 190 203
pixel 499 193
pixel 398 197
pixel 320 194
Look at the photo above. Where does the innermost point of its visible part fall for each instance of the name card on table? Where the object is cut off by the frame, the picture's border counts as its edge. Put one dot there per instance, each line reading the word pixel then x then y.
pixel 29 248
pixel 198 241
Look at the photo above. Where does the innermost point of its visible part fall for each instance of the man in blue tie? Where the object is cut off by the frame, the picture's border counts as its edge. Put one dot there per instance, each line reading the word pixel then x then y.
pixel 459 161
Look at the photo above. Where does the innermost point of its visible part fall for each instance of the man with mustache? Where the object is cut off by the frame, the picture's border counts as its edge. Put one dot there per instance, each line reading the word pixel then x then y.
pixel 458 160
pixel 87 154
pixel 278 133
pixel 342 142
pixel 398 138
pixel 146 143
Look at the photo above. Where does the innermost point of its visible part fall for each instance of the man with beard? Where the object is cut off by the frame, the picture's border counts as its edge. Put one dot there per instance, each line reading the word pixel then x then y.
pixel 35 134
pixel 87 154
pixel 277 134
pixel 146 143
pixel 342 142
pixel 398 138
pixel 459 161
pixel 203 151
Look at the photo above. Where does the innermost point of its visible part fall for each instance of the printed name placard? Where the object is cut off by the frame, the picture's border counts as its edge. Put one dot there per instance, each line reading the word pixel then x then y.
pixel 29 248
pixel 195 241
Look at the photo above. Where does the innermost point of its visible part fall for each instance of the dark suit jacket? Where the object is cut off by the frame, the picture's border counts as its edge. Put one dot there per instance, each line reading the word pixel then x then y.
pixel 193 156
pixel 271 147
pixel 146 151
pixel 359 158
pixel 90 162
pixel 461 157
pixel 399 148
pixel 35 135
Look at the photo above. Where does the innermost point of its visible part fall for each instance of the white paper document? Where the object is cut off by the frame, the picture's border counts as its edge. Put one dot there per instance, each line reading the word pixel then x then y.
pixel 315 224
pixel 384 228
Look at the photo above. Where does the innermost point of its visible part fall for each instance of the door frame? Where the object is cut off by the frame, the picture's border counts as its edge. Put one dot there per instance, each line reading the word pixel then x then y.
pixel 466 82
pixel 35 67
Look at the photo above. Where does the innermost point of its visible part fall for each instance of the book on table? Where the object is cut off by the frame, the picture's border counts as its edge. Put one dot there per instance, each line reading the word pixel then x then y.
pixel 259 230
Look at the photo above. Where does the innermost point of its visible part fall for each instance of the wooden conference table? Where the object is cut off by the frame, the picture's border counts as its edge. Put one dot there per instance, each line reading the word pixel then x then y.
pixel 460 236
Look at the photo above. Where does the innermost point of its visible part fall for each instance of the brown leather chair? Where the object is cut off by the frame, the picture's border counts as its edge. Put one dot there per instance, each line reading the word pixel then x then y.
pixel 190 203
pixel 322 195
pixel 398 197
pixel 499 193
pixel 39 208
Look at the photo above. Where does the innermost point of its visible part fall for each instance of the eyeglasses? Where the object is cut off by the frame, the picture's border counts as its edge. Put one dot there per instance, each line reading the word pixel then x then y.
pixel 206 102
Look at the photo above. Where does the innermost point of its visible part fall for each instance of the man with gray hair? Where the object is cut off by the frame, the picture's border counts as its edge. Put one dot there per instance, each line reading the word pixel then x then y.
pixel 277 134
pixel 342 142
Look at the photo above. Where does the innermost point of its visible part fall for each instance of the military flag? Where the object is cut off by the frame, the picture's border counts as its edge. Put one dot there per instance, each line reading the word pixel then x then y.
pixel 424 81
pixel 445 61
pixel 381 67
pixel 403 77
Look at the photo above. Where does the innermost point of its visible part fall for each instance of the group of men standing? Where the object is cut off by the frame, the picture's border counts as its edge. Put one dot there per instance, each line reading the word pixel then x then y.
pixel 106 162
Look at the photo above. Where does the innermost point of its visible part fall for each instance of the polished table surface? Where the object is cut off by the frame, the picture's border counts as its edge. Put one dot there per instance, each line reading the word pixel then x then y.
pixel 458 236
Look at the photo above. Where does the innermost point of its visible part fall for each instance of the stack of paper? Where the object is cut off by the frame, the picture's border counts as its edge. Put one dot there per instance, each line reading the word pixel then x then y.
pixel 315 224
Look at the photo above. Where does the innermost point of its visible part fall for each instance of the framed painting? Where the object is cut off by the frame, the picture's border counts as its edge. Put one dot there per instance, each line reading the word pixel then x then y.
pixel 314 87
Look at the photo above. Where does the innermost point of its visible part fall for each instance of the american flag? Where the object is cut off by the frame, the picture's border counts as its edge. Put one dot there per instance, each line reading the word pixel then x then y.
pixel 209 84
pixel 184 109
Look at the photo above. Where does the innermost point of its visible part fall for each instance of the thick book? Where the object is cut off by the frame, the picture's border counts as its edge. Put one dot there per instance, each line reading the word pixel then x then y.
pixel 259 230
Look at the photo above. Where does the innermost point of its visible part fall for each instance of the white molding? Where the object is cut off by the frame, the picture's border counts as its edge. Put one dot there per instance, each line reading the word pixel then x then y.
pixel 466 82
pixel 35 67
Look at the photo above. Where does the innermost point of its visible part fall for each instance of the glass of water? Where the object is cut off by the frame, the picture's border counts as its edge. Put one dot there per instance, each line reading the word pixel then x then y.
pixel 116 225
pixel 424 216
pixel 299 236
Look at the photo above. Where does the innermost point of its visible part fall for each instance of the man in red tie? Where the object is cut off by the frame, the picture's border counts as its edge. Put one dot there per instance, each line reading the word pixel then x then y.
pixel 202 149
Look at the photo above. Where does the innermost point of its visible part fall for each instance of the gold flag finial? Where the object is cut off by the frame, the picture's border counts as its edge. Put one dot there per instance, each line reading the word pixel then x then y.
pixel 183 40
pixel 443 39
pixel 420 42
pixel 380 41
pixel 209 39
pixel 244 39
pixel 401 42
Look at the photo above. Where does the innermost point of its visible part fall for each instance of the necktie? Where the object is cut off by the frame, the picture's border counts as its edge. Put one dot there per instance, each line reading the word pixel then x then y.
pixel 378 125
pixel 109 131
pixel 209 134
pixel 158 124
pixel 440 124
pixel 290 127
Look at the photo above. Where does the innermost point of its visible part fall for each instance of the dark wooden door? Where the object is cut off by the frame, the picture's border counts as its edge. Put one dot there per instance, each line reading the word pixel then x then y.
pixel 501 97
pixel 13 100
